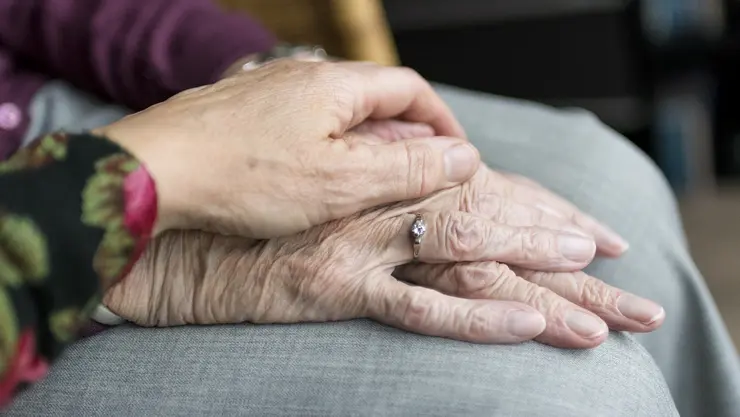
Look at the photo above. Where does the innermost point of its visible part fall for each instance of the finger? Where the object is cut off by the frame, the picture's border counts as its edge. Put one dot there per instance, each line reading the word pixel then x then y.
pixel 619 309
pixel 528 192
pixel 461 237
pixel 409 169
pixel 568 325
pixel 398 93
pixel 428 312
pixel 512 213
pixel 375 132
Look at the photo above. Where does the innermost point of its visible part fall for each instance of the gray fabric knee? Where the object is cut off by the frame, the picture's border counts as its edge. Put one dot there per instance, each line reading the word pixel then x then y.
pixel 352 368
pixel 569 151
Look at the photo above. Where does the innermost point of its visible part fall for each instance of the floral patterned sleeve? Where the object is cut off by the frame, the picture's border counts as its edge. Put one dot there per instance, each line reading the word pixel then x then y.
pixel 76 212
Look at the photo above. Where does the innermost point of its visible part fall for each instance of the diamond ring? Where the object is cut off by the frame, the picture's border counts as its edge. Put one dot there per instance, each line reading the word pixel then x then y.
pixel 418 229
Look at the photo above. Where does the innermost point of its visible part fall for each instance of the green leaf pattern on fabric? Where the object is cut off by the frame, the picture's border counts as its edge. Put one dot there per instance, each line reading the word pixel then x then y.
pixel 103 206
pixel 8 330
pixel 45 150
pixel 23 251
pixel 10 274
pixel 65 324
pixel 41 294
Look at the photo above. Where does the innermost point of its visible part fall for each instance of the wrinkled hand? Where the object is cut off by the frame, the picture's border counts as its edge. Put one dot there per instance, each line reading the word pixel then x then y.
pixel 519 202
pixel 507 198
pixel 264 154
pixel 342 270
pixel 534 202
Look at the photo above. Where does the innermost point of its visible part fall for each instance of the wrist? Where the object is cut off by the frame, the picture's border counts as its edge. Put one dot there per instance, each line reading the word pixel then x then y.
pixel 163 285
pixel 148 209
pixel 282 50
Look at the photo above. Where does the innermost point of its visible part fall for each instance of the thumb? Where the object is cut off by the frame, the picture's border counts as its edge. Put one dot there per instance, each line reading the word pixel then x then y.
pixel 415 168
pixel 377 132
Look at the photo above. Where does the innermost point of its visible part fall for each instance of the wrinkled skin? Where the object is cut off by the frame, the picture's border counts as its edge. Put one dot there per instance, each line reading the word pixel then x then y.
pixel 345 269
pixel 226 157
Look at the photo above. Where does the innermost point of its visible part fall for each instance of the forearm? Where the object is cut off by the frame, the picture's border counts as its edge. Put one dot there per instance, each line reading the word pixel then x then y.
pixel 137 52
pixel 75 213
pixel 188 265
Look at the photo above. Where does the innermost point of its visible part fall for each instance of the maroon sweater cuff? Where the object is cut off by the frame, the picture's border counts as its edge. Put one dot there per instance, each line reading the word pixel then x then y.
pixel 211 42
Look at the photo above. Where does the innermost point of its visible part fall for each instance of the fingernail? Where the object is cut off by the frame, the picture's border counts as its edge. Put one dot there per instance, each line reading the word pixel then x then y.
pixel 613 240
pixel 461 162
pixel 525 324
pixel 639 309
pixel 576 248
pixel 584 324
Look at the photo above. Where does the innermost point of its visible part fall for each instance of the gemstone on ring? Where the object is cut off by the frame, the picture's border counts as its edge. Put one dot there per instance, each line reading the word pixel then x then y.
pixel 418 228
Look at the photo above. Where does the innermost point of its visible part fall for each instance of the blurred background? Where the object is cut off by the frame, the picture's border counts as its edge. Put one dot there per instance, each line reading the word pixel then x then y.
pixel 665 73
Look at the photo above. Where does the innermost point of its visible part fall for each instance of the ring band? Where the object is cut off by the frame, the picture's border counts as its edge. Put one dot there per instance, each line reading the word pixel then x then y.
pixel 418 229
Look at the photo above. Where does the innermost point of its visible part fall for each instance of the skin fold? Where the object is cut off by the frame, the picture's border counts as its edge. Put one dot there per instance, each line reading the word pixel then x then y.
pixel 361 266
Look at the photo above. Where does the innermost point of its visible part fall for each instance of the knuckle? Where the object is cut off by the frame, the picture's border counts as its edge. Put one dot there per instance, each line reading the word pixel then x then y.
pixel 462 236
pixel 541 298
pixel 536 243
pixel 325 84
pixel 491 205
pixel 340 95
pixel 423 170
pixel 594 293
pixel 469 279
pixel 413 78
pixel 415 309
pixel 481 280
pixel 534 277
pixel 477 322
pixel 410 73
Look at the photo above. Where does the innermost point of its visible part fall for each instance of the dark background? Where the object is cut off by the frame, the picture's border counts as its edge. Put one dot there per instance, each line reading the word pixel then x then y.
pixel 674 95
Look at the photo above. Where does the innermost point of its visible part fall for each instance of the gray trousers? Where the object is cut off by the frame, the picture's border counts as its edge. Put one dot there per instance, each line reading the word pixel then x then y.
pixel 363 368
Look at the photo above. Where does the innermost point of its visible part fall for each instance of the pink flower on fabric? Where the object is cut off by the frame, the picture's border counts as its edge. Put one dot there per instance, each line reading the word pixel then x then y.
pixel 26 367
pixel 140 211
pixel 140 199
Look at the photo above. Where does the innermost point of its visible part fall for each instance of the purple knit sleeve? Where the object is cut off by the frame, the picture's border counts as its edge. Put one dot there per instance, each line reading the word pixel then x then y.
pixel 135 52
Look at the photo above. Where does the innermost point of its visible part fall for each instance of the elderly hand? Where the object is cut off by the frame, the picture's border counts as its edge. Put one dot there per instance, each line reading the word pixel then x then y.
pixel 263 153
pixel 508 198
pixel 342 270
pixel 519 202
pixel 530 197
